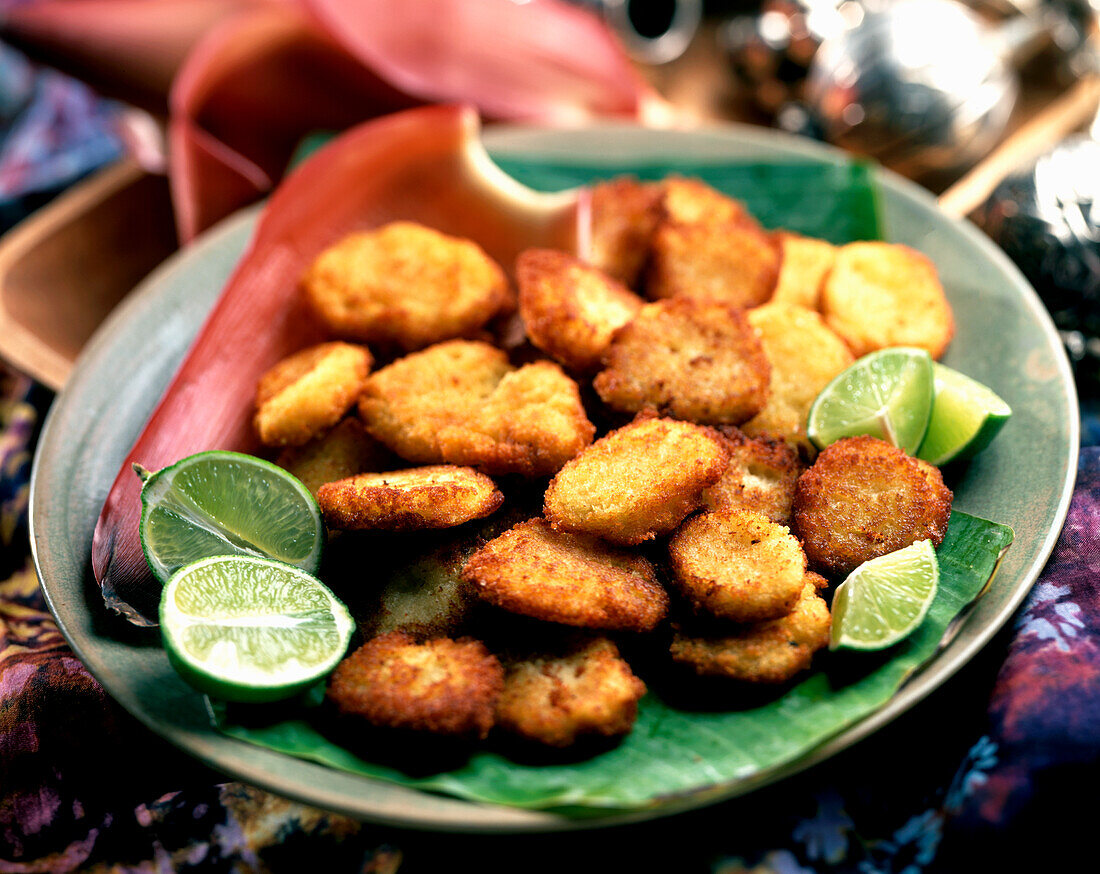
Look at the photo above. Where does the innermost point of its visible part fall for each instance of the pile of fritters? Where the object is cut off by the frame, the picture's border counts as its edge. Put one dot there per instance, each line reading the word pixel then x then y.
pixel 633 477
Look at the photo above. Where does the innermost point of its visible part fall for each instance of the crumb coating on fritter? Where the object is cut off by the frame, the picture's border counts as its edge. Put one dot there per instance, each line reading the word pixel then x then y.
pixel 637 482
pixel 686 358
pixel 864 498
pixel 737 565
pixel 405 285
pixel 437 496
pixel 885 294
pixel 805 265
pixel 624 214
pixel 441 686
pixel 570 310
pixel 765 652
pixel 761 476
pixel 461 402
pixel 308 392
pixel 554 699
pixel 344 451
pixel 571 579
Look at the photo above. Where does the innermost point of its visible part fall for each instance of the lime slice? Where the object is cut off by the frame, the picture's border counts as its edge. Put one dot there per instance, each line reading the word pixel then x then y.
pixel 966 416
pixel 887 394
pixel 226 503
pixel 884 599
pixel 250 629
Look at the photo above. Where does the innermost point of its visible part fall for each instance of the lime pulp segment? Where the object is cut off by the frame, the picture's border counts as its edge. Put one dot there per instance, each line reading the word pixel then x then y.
pixel 251 629
pixel 966 416
pixel 886 394
pixel 885 599
pixel 222 503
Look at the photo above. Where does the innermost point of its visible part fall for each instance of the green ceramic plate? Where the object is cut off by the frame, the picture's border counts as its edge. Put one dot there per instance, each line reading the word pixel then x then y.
pixel 1004 339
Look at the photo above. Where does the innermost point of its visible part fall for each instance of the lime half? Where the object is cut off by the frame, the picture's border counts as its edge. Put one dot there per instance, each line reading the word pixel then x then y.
pixel 251 629
pixel 966 416
pixel 884 599
pixel 226 503
pixel 887 394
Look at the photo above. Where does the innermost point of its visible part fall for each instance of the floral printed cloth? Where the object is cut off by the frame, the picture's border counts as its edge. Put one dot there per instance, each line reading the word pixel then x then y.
pixel 994 772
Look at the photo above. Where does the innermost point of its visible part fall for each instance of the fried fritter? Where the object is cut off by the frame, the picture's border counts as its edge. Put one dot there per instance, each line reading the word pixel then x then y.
pixel 570 309
pixel 864 498
pixel 341 452
pixel 766 652
pixel 804 355
pixel 405 285
pixel 737 565
pixel 761 476
pixel 441 686
pixel 805 264
pixel 572 579
pixel 637 482
pixel 707 245
pixel 461 402
pixel 307 393
pixel 689 359
pixel 624 214
pixel 438 496
pixel 885 294
pixel 555 698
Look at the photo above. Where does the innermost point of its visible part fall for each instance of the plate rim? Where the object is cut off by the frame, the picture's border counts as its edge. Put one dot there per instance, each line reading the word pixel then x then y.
pixel 501 819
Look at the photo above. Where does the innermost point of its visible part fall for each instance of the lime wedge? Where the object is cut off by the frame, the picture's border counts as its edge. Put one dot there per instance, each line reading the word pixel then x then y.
pixel 225 503
pixel 251 629
pixel 886 394
pixel 966 416
pixel 884 599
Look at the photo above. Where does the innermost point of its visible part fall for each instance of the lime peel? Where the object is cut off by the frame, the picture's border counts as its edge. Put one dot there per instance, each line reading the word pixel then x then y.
pixel 966 416
pixel 885 599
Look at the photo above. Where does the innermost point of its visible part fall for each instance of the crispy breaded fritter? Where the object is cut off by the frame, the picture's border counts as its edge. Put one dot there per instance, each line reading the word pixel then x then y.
pixel 690 201
pixel 572 579
pixel 555 698
pixel 886 294
pixel 804 355
pixel 765 652
pixel 761 476
pixel 344 451
pixel 737 565
pixel 308 392
pixel 405 285
pixel 461 402
pixel 687 358
pixel 441 686
pixel 863 498
pixel 437 496
pixel 806 262
pixel 570 309
pixel 637 482
pixel 736 263
pixel 624 214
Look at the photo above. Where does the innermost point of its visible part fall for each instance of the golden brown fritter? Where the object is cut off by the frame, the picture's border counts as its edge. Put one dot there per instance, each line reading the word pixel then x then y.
pixel 405 285
pixel 761 476
pixel 624 214
pixel 637 482
pixel 687 358
pixel 805 264
pixel 461 402
pixel 863 498
pixel 691 201
pixel 737 565
pixel 307 393
pixel 571 579
pixel 570 309
pixel 885 294
pixel 437 496
pixel 766 652
pixel 804 355
pixel 342 452
pixel 555 698
pixel 441 686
